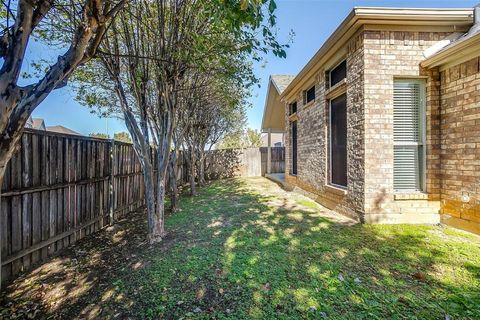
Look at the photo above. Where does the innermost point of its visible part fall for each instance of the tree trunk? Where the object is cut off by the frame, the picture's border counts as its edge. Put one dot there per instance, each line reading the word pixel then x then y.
pixel 193 190
pixel 2 174
pixel 201 173
pixel 148 178
pixel 173 182
pixel 156 230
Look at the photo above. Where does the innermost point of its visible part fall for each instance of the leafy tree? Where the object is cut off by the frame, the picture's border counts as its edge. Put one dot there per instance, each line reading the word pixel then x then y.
pixel 249 138
pixel 122 136
pixel 216 109
pixel 233 140
pixel 99 135
pixel 253 138
pixel 150 61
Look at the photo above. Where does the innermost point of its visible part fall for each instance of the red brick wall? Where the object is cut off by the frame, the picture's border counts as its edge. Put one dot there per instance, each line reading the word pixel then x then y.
pixel 460 145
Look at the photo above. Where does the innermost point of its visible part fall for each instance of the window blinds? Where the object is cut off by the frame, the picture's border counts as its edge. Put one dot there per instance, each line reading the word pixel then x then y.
pixel 408 134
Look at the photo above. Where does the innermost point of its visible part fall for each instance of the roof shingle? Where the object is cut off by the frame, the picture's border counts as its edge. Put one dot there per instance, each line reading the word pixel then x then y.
pixel 282 81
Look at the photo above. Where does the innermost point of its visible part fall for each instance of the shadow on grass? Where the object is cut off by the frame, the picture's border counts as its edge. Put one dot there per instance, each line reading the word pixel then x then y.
pixel 245 249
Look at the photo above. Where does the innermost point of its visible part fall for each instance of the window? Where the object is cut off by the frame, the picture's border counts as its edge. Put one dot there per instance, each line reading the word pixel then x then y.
pixel 292 108
pixel 309 95
pixel 409 135
pixel 338 73
pixel 338 141
pixel 293 145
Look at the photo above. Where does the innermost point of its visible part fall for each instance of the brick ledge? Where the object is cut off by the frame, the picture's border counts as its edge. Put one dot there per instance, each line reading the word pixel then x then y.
pixel 335 190
pixel 402 218
pixel 411 196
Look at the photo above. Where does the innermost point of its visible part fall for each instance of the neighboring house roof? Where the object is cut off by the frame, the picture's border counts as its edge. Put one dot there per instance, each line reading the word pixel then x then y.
pixel 38 123
pixel 62 129
pixel 451 20
pixel 281 81
pixel 29 123
pixel 273 112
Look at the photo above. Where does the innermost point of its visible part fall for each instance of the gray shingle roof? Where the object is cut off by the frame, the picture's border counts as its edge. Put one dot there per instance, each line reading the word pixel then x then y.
pixel 62 129
pixel 282 81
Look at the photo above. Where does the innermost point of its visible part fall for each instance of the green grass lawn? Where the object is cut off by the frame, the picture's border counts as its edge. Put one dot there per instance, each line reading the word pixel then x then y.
pixel 245 249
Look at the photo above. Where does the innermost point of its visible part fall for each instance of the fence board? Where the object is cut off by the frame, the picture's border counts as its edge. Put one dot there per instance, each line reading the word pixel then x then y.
pixel 277 161
pixel 56 191
pixel 246 162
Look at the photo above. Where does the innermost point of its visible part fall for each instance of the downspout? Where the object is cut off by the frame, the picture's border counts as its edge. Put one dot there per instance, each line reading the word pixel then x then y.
pixel 476 20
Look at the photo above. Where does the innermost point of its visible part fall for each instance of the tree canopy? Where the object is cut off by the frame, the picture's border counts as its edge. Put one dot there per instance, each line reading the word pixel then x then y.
pixel 179 73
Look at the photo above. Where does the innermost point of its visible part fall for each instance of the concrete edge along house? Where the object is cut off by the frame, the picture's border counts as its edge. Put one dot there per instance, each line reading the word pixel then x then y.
pixel 383 123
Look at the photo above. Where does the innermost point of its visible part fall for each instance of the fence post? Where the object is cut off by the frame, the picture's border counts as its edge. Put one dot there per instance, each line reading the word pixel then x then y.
pixel 269 152
pixel 112 179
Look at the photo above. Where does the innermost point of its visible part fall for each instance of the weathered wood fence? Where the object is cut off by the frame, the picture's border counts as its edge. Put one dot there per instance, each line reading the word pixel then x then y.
pixel 60 188
pixel 277 161
pixel 248 162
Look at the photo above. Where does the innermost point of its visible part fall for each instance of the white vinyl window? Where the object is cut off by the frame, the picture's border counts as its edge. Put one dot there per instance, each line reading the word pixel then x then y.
pixel 409 135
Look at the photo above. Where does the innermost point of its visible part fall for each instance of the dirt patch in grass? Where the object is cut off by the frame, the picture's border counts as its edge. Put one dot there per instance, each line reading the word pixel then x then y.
pixel 243 249
pixel 73 283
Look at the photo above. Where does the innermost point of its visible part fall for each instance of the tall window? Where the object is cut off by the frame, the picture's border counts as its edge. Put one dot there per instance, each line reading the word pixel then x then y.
pixel 338 141
pixel 409 135
pixel 293 146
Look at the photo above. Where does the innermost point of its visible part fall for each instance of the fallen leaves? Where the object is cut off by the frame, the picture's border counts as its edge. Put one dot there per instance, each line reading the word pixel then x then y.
pixel 420 276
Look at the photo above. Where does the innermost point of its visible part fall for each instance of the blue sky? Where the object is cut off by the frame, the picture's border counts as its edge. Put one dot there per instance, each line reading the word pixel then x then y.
pixel 312 21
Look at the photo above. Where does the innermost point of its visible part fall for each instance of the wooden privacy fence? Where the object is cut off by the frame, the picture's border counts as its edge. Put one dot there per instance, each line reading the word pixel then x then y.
pixel 247 162
pixel 60 188
pixel 277 162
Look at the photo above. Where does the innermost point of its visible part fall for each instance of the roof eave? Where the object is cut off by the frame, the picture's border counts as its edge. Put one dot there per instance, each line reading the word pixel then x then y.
pixel 451 53
pixel 364 15
pixel 266 103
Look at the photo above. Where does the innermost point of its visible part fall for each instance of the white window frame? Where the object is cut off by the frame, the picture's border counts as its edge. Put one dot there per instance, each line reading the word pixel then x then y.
pixel 422 123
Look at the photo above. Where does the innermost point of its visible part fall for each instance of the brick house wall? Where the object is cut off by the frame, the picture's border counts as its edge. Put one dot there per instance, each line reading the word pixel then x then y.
pixel 374 59
pixel 390 55
pixel 460 141
pixel 312 137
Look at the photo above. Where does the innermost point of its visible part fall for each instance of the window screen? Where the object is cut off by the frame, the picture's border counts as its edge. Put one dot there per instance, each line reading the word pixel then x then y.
pixel 293 146
pixel 309 95
pixel 338 73
pixel 338 140
pixel 293 108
